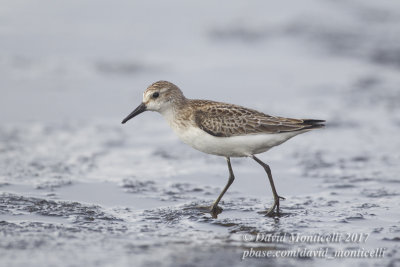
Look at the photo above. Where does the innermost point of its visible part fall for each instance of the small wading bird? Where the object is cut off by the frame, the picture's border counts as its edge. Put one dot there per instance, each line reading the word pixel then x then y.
pixel 222 129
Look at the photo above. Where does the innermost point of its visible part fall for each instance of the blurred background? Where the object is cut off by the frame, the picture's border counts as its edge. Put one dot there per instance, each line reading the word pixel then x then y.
pixel 73 178
pixel 92 59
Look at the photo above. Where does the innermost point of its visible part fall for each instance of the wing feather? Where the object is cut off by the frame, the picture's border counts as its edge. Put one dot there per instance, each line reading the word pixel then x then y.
pixel 225 120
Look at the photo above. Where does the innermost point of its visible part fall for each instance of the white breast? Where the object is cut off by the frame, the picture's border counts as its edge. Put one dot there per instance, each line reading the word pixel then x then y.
pixel 236 146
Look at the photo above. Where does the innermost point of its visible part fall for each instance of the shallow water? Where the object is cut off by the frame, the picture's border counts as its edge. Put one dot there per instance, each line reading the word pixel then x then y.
pixel 78 188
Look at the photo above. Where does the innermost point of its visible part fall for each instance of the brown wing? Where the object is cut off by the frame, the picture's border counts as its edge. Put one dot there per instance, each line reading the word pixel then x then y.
pixel 224 120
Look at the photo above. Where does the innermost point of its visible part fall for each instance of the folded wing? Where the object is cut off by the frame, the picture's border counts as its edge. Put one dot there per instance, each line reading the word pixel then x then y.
pixel 224 120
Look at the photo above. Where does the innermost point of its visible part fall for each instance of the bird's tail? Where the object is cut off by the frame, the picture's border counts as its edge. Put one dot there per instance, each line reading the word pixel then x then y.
pixel 314 124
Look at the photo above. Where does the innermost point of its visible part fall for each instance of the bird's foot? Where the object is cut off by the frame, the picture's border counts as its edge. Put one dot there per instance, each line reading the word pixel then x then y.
pixel 215 210
pixel 271 211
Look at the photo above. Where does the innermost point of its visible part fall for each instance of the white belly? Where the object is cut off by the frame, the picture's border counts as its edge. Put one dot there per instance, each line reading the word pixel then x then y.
pixel 236 146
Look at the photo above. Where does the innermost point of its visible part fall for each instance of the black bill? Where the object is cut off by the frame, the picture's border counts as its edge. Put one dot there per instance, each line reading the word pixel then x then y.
pixel 141 108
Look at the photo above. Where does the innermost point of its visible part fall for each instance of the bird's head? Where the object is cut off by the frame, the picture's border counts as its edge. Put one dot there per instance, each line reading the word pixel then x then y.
pixel 159 96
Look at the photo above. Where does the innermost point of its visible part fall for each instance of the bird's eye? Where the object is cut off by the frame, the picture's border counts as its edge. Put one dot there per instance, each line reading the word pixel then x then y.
pixel 155 95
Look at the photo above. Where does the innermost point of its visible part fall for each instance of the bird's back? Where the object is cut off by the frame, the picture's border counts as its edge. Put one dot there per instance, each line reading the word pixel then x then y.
pixel 227 120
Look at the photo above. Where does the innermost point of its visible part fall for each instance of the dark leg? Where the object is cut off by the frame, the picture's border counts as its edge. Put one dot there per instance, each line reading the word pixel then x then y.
pixel 271 181
pixel 215 210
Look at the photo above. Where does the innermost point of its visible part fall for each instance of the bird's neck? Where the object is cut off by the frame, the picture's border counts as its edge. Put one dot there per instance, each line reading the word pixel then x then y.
pixel 177 111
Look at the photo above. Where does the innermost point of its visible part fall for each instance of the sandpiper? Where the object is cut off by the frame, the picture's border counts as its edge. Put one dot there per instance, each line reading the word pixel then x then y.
pixel 222 129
